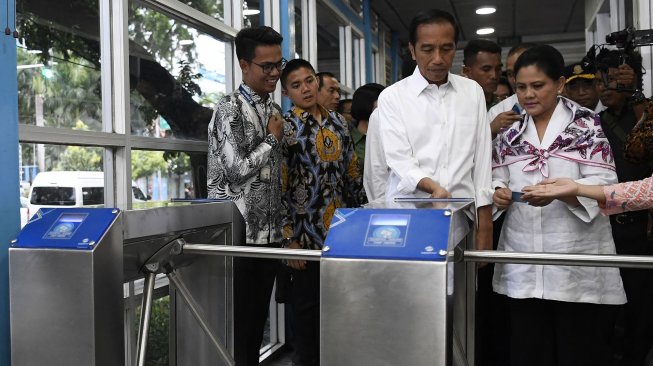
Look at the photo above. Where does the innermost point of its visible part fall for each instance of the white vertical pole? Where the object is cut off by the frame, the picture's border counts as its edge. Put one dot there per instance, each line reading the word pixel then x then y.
pixel 642 12
pixel 349 57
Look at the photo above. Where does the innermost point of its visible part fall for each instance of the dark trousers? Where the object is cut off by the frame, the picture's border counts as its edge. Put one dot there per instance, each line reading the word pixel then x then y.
pixel 557 333
pixel 634 333
pixel 305 303
pixel 492 332
pixel 253 282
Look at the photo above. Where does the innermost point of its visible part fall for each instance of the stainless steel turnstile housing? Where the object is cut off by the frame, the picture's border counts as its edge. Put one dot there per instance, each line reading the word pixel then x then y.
pixel 67 270
pixel 387 288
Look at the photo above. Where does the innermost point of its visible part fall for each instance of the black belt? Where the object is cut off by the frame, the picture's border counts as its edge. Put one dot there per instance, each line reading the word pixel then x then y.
pixel 628 218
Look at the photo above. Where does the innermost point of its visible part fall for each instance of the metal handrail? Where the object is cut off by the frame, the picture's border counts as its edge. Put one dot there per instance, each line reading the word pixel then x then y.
pixel 488 256
pixel 564 259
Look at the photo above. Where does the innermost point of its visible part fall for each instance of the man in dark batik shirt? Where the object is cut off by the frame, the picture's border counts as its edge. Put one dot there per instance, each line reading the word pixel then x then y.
pixel 320 174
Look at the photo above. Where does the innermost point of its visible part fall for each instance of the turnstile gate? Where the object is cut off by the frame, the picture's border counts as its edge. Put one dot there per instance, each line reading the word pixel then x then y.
pixel 389 284
pixel 68 266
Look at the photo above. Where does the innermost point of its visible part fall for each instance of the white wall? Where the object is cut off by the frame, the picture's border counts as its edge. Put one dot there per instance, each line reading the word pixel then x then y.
pixel 642 12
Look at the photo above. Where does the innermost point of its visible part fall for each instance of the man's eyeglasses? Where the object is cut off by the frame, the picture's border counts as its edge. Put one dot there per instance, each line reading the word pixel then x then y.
pixel 268 66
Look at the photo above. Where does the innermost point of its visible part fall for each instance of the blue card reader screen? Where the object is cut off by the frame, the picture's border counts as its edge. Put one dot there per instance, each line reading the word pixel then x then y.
pixel 387 230
pixel 65 226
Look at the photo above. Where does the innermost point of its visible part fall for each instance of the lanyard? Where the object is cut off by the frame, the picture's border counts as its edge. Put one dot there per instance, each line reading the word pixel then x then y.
pixel 251 102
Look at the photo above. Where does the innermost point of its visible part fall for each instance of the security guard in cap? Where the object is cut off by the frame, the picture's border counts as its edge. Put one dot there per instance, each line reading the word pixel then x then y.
pixel 581 86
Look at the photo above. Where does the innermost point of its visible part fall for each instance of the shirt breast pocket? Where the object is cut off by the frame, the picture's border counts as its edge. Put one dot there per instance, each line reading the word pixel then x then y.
pixel 464 134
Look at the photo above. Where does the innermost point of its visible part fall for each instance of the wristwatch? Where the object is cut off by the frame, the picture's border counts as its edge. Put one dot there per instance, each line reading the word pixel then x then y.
pixel 637 97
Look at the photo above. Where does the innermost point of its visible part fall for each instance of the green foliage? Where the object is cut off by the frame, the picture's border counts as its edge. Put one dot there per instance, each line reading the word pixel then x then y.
pixel 71 94
pixel 79 158
pixel 178 162
pixel 40 34
pixel 214 8
pixel 145 163
pixel 158 339
pixel 187 79
pixel 210 99
pixel 160 35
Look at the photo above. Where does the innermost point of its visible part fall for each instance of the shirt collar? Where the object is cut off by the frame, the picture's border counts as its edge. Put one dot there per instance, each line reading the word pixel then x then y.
pixel 305 116
pixel 418 83
pixel 564 109
pixel 255 97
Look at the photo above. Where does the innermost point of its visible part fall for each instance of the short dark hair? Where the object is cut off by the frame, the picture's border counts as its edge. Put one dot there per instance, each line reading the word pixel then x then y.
pixel 249 38
pixel 294 65
pixel 479 45
pixel 429 17
pixel 503 80
pixel 613 58
pixel 320 78
pixel 520 47
pixel 546 58
pixel 362 104
pixel 341 105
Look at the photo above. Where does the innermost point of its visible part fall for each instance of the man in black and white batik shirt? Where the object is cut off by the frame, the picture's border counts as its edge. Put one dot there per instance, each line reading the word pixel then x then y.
pixel 244 166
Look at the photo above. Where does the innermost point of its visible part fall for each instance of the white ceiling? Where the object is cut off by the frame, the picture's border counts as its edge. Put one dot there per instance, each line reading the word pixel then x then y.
pixel 513 18
pixel 560 23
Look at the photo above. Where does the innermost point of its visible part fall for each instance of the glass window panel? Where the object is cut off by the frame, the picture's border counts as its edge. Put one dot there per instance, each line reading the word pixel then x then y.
pixel 357 5
pixel 159 333
pixel 328 41
pixel 374 22
pixel 252 13
pixel 37 158
pixel 177 75
pixel 298 29
pixel 58 61
pixel 53 196
pixel 163 176
pixel 214 8
pixel 92 196
pixel 60 176
pixel 24 206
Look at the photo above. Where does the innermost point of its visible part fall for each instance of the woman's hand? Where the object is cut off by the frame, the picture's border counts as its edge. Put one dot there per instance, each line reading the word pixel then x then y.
pixel 502 198
pixel 550 189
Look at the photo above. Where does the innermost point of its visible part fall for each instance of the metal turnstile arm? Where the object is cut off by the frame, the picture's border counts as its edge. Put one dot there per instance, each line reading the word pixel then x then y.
pixel 144 326
pixel 242 251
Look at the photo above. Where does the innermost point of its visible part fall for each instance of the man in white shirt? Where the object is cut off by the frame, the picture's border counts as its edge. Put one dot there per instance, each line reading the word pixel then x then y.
pixel 376 172
pixel 432 126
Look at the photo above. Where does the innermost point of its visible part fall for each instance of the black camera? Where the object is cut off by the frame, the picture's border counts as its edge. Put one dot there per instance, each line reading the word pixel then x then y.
pixel 630 38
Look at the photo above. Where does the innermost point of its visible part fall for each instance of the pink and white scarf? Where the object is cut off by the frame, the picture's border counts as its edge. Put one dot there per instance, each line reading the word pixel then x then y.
pixel 582 141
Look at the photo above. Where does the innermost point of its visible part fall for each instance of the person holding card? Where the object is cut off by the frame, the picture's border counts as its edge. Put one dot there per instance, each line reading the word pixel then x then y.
pixel 559 315
pixel 613 199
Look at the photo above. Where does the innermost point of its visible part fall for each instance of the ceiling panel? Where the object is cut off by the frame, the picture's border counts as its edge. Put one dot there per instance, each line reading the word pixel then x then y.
pixel 513 18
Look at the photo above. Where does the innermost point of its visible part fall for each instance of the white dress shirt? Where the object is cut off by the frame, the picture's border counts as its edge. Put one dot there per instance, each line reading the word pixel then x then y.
pixel 556 228
pixel 376 172
pixel 503 106
pixel 599 107
pixel 439 133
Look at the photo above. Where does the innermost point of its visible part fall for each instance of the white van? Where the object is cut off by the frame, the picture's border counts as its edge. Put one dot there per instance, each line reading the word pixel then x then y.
pixel 71 189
